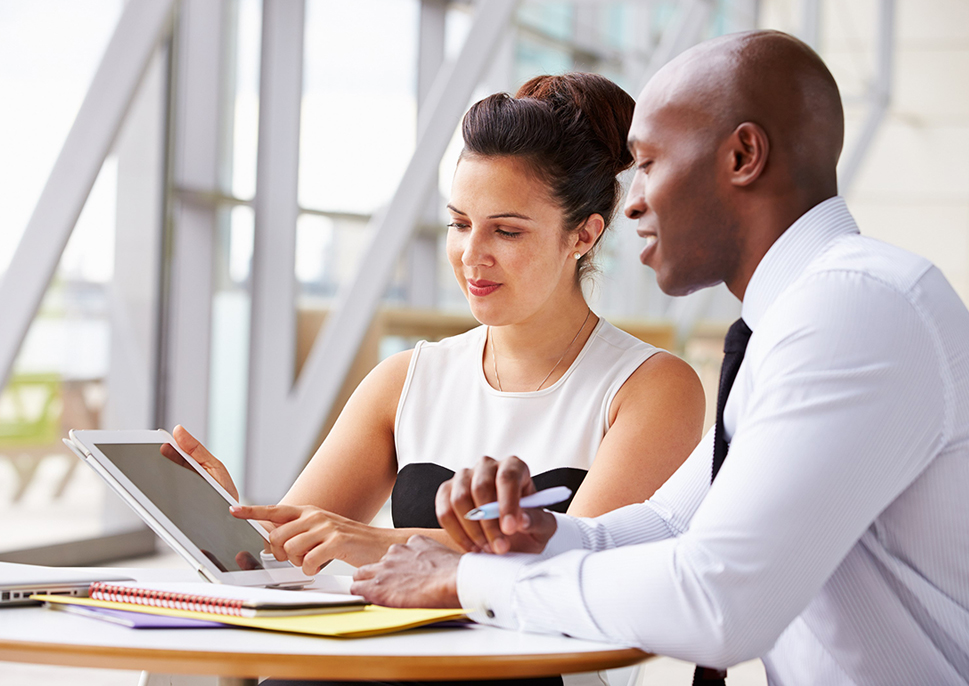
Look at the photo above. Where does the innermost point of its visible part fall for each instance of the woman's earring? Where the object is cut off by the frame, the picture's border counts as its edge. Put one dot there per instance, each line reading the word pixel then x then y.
pixel 576 254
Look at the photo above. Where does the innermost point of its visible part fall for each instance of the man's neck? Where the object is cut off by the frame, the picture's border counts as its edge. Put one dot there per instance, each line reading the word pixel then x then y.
pixel 768 223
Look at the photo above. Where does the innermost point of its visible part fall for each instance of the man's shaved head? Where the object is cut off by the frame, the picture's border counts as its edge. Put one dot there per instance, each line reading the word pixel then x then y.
pixel 740 135
pixel 765 77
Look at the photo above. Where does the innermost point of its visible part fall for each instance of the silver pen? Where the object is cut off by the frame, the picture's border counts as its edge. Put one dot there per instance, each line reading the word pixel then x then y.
pixel 550 496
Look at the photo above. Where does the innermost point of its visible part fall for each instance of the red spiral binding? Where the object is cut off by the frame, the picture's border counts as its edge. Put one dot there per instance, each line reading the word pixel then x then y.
pixel 165 599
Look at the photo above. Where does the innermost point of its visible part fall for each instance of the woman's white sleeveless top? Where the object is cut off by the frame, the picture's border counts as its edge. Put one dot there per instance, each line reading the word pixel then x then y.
pixel 449 415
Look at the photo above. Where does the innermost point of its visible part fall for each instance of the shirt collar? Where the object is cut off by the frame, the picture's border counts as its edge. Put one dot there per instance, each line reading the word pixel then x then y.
pixel 792 252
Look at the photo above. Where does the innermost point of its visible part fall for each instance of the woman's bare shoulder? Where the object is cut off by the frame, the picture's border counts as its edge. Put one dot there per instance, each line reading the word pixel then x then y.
pixel 663 379
pixel 386 380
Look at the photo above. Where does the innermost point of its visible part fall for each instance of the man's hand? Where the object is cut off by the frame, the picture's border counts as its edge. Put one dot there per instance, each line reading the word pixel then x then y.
pixel 422 573
pixel 518 530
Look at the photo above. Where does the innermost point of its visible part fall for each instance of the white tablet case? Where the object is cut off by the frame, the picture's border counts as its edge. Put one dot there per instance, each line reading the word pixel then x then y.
pixel 84 445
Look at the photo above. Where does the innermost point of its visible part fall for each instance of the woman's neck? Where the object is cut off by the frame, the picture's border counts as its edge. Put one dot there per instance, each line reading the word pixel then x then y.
pixel 518 356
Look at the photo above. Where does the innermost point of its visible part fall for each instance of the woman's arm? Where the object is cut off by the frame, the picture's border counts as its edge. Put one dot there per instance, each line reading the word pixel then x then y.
pixel 353 470
pixel 656 419
pixel 325 513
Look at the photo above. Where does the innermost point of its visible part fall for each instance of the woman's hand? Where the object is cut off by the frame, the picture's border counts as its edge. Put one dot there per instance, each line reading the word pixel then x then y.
pixel 310 537
pixel 200 454
pixel 519 530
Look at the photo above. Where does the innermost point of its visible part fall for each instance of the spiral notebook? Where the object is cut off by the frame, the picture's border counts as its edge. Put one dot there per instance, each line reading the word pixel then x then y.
pixel 219 599
pixel 369 620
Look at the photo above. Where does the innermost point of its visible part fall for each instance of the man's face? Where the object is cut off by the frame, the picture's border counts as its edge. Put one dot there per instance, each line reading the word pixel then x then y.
pixel 677 197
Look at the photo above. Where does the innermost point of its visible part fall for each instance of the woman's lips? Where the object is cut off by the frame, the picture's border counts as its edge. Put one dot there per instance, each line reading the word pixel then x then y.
pixel 650 245
pixel 482 288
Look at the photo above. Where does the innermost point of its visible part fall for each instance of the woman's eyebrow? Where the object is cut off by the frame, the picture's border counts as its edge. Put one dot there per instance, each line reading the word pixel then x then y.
pixel 500 215
pixel 514 215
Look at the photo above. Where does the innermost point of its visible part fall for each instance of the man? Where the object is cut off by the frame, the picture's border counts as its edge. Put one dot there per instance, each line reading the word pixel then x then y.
pixel 834 541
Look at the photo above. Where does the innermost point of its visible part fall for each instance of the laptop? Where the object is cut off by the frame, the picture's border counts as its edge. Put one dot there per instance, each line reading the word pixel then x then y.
pixel 18 582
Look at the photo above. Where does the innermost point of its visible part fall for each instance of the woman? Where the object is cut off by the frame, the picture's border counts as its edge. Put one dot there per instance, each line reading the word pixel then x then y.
pixel 584 404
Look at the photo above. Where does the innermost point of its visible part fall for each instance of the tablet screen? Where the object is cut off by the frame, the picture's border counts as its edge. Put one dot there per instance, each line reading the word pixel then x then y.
pixel 191 503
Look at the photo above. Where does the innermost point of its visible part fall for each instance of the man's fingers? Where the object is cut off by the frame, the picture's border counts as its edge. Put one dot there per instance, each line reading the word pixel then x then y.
pixel 512 481
pixel 365 572
pixel 448 518
pixel 484 491
pixel 462 502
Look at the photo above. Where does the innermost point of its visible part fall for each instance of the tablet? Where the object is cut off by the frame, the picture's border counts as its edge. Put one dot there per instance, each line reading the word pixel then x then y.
pixel 185 506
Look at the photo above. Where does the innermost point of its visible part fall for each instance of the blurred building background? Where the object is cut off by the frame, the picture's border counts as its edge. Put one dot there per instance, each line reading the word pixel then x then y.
pixel 222 213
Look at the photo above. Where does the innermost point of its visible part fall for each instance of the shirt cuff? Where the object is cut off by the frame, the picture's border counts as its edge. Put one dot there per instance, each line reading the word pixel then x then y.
pixel 486 585
pixel 567 536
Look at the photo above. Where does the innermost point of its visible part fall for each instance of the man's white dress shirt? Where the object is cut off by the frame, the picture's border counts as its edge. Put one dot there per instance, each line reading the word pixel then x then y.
pixel 834 543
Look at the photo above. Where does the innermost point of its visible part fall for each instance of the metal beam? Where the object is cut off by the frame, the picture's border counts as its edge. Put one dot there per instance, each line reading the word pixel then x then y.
pixel 195 165
pixel 272 352
pixel 284 435
pixel 142 26
pixel 134 295
pixel 422 258
pixel 879 98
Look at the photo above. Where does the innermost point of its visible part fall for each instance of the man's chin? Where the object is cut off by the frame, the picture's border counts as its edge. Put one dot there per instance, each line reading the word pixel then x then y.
pixel 680 287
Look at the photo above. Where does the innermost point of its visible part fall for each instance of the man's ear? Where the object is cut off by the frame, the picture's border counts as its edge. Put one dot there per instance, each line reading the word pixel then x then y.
pixel 748 148
pixel 589 233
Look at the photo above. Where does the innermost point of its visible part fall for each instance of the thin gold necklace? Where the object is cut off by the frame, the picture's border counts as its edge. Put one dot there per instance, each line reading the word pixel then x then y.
pixel 494 361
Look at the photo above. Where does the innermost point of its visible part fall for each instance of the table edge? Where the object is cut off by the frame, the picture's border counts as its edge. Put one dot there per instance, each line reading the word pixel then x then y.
pixel 395 667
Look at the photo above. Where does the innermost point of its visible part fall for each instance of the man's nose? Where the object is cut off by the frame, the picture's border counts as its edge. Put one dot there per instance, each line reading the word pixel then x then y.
pixel 635 204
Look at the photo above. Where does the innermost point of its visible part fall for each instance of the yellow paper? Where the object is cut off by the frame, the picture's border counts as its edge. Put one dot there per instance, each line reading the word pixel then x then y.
pixel 370 621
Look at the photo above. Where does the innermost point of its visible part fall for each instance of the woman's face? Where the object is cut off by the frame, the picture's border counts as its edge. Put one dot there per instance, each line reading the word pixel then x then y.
pixel 506 242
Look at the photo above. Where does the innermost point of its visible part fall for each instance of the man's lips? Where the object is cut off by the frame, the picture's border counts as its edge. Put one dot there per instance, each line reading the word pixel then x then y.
pixel 481 288
pixel 651 240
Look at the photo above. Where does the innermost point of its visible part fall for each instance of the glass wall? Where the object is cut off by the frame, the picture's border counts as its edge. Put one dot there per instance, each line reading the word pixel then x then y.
pixel 358 123
pixel 231 299
pixel 49 51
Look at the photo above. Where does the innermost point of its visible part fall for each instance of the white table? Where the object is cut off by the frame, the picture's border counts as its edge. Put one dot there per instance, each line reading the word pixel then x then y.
pixel 37 635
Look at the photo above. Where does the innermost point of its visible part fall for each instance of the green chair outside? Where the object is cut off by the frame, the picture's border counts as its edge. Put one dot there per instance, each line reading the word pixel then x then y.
pixel 30 426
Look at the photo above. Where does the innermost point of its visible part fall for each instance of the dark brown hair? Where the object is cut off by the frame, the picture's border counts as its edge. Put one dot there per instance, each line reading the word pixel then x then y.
pixel 571 129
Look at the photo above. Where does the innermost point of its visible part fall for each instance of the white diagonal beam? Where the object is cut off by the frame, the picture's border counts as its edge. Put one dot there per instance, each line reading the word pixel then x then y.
pixel 288 429
pixel 272 351
pixel 143 24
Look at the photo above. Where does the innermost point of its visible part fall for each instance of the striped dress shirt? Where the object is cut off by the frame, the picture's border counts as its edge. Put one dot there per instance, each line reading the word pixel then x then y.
pixel 834 544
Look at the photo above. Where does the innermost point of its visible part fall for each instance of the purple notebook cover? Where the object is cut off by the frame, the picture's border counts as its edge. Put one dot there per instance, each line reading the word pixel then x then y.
pixel 141 620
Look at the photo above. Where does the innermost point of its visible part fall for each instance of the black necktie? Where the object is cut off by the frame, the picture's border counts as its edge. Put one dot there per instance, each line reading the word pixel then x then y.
pixel 734 348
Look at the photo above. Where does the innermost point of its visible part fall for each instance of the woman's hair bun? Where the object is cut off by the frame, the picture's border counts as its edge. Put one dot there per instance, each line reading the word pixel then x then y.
pixel 588 100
